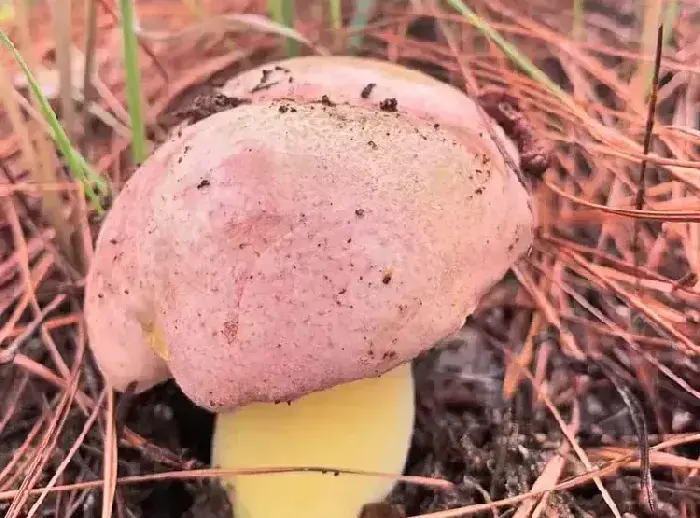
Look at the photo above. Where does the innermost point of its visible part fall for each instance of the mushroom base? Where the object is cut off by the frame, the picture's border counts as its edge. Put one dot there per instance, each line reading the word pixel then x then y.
pixel 363 425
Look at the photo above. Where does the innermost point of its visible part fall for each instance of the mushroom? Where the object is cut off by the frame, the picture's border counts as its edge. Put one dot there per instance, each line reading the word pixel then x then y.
pixel 284 261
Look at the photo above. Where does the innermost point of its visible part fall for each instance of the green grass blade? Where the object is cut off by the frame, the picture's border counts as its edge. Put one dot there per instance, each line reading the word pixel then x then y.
pixel 133 82
pixel 336 14
pixel 577 27
pixel 363 12
pixel 282 11
pixel 75 161
pixel 510 50
pixel 670 15
pixel 669 22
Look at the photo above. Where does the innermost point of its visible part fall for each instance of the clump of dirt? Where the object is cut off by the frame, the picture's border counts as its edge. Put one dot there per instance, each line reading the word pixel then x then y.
pixel 389 105
pixel 367 90
pixel 205 105
pixel 326 101
pixel 535 156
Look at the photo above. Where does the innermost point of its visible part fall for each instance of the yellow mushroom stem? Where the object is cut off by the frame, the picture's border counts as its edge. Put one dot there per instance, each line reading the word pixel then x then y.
pixel 361 425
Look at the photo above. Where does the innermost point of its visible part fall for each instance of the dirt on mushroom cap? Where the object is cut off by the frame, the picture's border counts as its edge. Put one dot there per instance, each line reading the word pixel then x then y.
pixel 361 81
pixel 266 245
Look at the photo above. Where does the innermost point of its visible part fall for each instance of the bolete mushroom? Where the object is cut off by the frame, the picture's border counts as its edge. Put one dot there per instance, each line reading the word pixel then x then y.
pixel 284 261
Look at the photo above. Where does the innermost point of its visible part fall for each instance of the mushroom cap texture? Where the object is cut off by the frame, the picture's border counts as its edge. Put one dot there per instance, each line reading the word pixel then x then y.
pixel 289 245
pixel 358 81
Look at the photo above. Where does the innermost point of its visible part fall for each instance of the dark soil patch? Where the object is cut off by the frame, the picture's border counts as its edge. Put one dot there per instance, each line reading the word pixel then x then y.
pixel 465 432
pixel 389 105
pixel 326 101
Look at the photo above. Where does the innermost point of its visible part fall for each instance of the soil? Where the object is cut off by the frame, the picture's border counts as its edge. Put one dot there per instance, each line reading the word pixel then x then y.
pixel 389 105
pixel 464 432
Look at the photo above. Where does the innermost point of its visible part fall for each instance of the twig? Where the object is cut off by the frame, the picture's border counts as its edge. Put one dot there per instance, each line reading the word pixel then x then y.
pixel 6 355
pixel 640 427
pixel 204 473
pixel 648 133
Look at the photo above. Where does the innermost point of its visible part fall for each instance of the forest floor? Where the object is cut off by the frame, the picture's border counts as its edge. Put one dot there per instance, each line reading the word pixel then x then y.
pixel 574 390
